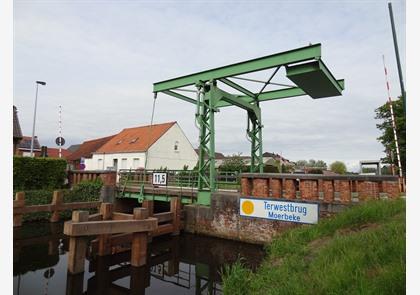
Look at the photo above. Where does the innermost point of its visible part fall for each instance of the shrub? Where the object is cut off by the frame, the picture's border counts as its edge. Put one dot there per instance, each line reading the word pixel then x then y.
pixel 38 197
pixel 84 191
pixel 38 173
pixel 338 167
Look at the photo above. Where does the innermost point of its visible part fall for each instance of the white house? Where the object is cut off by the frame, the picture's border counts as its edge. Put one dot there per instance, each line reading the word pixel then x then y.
pixel 164 145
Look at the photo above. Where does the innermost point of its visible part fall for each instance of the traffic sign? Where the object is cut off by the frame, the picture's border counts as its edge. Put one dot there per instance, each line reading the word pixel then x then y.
pixel 60 141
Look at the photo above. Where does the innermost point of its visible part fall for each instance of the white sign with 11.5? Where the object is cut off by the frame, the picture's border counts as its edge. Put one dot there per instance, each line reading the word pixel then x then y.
pixel 159 178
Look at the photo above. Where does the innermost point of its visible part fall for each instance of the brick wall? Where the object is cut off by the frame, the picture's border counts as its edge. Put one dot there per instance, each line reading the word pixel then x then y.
pixel 313 187
pixel 309 189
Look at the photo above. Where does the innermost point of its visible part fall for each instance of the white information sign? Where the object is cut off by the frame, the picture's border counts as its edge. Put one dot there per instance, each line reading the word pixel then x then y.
pixel 159 178
pixel 280 210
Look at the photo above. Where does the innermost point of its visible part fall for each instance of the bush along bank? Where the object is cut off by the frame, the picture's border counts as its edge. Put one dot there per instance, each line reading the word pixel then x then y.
pixel 359 251
pixel 85 191
pixel 38 173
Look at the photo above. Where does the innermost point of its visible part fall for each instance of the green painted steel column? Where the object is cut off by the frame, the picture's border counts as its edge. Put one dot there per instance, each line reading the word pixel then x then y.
pixel 212 146
pixel 260 155
pixel 253 143
pixel 205 182
pixel 201 152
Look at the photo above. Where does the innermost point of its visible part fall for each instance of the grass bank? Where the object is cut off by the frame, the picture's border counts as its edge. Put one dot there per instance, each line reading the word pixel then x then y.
pixel 359 251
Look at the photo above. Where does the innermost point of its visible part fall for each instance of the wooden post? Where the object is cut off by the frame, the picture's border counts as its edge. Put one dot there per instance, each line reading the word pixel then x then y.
pixel 74 284
pixel 102 275
pixel 139 242
pixel 173 263
pixel 77 246
pixel 19 203
pixel 176 211
pixel 104 241
pixel 149 205
pixel 58 198
pixel 138 280
pixel 53 247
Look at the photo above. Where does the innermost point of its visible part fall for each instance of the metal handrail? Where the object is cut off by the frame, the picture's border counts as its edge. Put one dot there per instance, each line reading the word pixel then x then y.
pixel 228 180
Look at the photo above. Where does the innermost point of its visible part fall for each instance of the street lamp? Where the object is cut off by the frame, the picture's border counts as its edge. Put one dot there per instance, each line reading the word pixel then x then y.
pixel 33 125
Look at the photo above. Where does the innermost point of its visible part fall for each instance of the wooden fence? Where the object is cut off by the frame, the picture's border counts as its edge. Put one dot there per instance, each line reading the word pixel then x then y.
pixel 107 177
pixel 55 207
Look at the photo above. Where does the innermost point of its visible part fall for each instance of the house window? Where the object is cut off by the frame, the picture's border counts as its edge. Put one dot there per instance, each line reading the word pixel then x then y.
pixel 100 164
pixel 136 163
pixel 124 163
pixel 176 145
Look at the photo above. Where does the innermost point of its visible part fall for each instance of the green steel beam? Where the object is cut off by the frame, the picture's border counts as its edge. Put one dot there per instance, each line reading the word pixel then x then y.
pixel 236 86
pixel 310 52
pixel 219 94
pixel 275 94
pixel 180 96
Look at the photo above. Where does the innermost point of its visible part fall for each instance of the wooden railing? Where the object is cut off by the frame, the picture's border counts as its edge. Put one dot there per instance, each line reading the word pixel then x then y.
pixel 57 205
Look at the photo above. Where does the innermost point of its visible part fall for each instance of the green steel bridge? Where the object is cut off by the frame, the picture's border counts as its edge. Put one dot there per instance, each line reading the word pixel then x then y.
pixel 304 68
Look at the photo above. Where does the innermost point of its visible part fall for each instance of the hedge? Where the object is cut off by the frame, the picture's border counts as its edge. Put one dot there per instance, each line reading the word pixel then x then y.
pixel 38 173
pixel 85 191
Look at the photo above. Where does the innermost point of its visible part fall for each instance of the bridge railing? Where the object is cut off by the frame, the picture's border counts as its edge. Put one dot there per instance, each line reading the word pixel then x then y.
pixel 176 179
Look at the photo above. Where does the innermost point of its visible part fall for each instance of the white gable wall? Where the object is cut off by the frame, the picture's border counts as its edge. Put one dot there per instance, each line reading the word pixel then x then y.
pixel 163 154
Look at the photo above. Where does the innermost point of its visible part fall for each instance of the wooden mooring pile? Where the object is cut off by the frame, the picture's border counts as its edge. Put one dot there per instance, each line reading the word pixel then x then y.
pixel 115 230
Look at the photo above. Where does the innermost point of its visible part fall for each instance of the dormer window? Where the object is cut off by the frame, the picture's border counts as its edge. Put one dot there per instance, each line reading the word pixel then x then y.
pixel 119 141
pixel 134 140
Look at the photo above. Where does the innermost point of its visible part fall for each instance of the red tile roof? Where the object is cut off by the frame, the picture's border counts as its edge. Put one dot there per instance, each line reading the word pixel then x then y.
pixel 137 139
pixel 88 147
pixel 54 153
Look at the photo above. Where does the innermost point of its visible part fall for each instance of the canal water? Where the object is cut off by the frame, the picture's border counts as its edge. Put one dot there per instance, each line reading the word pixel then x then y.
pixel 185 264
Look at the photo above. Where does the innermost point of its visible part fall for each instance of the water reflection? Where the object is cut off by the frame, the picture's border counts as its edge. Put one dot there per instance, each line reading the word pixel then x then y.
pixel 185 264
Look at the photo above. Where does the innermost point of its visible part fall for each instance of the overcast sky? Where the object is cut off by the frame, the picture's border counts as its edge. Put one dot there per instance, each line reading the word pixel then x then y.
pixel 101 58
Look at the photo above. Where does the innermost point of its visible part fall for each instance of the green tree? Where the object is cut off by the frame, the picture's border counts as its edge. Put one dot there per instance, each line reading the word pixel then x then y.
pixel 383 113
pixel 338 167
pixel 233 163
pixel 286 168
pixel 311 163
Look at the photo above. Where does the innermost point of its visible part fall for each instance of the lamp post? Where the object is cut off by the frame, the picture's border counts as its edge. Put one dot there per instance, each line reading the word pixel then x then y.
pixel 33 125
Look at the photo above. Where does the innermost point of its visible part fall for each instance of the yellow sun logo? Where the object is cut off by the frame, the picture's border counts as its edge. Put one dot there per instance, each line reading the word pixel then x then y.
pixel 248 207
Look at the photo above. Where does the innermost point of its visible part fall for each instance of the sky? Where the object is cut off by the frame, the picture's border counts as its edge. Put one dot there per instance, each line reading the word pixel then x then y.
pixel 101 58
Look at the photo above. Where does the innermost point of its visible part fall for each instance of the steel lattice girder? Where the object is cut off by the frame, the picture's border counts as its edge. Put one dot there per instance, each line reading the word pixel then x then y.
pixel 271 95
pixel 312 77
pixel 311 52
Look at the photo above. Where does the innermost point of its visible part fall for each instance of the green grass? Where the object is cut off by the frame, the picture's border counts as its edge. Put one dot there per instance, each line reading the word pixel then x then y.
pixel 359 251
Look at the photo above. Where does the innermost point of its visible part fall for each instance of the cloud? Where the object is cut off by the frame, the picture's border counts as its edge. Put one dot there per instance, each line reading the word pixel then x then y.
pixel 100 60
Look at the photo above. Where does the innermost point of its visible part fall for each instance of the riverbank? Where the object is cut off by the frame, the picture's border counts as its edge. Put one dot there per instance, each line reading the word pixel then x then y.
pixel 359 251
